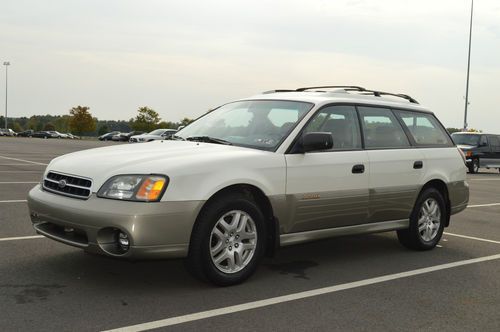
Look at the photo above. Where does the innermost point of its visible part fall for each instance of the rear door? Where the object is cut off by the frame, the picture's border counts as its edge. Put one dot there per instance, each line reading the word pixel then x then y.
pixel 396 168
pixel 329 188
pixel 492 157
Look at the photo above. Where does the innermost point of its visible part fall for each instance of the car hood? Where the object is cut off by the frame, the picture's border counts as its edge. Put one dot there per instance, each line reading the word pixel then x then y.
pixel 465 147
pixel 158 157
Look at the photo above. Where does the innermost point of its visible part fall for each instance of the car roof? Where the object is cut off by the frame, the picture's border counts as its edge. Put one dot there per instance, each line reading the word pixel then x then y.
pixel 341 96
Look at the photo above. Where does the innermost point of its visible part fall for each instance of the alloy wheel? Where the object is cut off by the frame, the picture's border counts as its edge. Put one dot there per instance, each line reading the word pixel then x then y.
pixel 233 241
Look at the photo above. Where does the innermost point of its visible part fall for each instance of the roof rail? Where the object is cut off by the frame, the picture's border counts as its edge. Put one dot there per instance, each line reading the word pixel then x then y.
pixel 348 88
pixel 353 87
pixel 276 91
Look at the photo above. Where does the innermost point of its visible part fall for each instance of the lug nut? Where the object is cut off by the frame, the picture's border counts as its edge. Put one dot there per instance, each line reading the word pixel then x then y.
pixel 227 241
pixel 236 245
pixel 230 248
pixel 237 236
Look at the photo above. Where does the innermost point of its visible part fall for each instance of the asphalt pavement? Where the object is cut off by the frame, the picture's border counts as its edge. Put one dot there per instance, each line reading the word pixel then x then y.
pixel 359 283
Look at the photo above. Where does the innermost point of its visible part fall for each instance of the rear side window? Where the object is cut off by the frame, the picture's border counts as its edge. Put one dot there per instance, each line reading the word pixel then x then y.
pixel 424 128
pixel 342 122
pixel 381 129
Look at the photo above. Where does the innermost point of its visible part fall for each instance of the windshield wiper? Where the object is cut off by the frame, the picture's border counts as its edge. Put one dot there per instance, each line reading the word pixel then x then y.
pixel 178 138
pixel 208 139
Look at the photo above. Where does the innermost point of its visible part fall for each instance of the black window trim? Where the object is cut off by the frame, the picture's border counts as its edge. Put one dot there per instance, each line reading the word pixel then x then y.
pixel 391 110
pixel 450 143
pixel 292 148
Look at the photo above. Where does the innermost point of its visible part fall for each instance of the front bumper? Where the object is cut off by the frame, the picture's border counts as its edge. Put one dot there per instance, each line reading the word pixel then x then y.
pixel 155 230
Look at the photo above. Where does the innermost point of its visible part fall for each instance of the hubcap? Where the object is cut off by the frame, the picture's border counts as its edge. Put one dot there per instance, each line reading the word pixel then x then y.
pixel 233 241
pixel 429 219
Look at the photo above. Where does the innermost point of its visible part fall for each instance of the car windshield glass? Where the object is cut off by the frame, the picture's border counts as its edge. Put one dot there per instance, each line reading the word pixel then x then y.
pixel 466 139
pixel 157 132
pixel 258 124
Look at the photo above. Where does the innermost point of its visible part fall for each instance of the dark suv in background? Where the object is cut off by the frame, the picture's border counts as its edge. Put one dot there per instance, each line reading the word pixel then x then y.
pixel 481 150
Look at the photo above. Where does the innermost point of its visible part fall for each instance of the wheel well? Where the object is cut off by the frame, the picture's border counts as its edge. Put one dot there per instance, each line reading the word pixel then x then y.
pixel 257 195
pixel 443 189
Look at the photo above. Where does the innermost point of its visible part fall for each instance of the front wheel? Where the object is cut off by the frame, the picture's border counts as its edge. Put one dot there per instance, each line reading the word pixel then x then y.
pixel 474 166
pixel 228 241
pixel 426 222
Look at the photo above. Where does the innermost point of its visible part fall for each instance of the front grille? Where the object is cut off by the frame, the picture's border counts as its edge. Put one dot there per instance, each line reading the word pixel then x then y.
pixel 67 185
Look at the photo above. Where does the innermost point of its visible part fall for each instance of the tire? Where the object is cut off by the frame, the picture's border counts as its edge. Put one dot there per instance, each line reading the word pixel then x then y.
pixel 431 224
pixel 209 235
pixel 474 166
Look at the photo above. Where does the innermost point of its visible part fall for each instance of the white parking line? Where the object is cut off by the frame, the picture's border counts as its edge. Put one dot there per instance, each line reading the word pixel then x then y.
pixel 22 238
pixel 298 296
pixel 14 201
pixel 472 238
pixel 23 160
pixel 20 165
pixel 483 180
pixel 41 171
pixel 21 182
pixel 482 205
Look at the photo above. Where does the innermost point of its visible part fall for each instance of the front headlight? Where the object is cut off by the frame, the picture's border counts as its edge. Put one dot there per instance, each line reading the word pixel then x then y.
pixel 142 188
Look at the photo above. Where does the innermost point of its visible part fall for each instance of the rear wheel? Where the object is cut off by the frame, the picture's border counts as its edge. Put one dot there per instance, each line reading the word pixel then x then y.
pixel 426 222
pixel 227 241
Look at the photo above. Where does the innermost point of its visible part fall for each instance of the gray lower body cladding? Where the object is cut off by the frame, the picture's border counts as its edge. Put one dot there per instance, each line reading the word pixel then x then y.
pixel 155 230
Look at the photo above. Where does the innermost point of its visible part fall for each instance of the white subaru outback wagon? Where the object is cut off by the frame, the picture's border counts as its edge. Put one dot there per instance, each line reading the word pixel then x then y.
pixel 280 168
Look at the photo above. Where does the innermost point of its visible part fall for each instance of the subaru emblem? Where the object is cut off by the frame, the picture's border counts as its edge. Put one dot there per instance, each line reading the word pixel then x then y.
pixel 62 184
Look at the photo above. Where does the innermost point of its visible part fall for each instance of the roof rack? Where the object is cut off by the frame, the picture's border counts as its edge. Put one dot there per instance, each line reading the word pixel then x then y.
pixel 353 88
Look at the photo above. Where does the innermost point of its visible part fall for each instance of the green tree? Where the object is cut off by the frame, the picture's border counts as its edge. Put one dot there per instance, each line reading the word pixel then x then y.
pixel 147 119
pixel 49 126
pixel 17 127
pixel 186 121
pixel 453 130
pixel 81 120
pixel 103 130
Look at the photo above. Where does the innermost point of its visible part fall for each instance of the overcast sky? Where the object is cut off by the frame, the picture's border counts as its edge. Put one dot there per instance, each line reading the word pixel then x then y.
pixel 184 57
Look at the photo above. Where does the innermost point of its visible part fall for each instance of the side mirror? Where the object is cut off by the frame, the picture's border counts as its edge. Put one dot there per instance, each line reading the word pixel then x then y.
pixel 316 141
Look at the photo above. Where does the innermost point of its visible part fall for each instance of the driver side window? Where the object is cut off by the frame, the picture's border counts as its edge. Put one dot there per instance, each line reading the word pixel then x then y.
pixel 341 122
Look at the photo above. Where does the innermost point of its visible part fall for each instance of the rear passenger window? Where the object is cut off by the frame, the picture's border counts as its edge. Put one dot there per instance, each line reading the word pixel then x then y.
pixel 381 129
pixel 342 122
pixel 424 128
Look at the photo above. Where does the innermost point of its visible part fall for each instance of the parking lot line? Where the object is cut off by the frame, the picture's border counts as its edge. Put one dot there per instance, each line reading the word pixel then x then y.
pixel 14 201
pixel 21 238
pixel 21 182
pixel 20 165
pixel 297 296
pixel 472 238
pixel 23 160
pixel 482 205
pixel 483 180
pixel 21 171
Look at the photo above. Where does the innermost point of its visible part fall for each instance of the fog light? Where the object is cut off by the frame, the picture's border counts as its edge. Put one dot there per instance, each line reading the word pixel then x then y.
pixel 123 241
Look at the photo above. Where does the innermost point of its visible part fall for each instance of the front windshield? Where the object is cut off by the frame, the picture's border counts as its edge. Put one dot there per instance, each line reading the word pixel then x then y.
pixel 259 124
pixel 466 139
pixel 157 132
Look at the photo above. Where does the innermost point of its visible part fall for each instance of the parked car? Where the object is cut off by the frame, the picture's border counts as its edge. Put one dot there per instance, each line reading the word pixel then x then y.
pixel 26 133
pixel 57 134
pixel 158 134
pixel 124 137
pixel 71 136
pixel 7 132
pixel 276 169
pixel 481 150
pixel 108 136
pixel 44 134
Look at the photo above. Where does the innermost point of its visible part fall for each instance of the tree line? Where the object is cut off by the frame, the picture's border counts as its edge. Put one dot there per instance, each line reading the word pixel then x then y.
pixel 81 122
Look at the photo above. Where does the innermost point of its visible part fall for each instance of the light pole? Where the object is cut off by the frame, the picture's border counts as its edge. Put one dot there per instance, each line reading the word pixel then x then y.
pixel 6 64
pixel 468 68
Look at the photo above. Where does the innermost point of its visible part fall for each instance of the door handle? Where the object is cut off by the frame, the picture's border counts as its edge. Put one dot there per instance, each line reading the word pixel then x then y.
pixel 418 164
pixel 357 169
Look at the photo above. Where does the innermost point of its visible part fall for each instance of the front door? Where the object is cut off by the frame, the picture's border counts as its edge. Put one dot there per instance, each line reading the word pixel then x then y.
pixel 327 189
